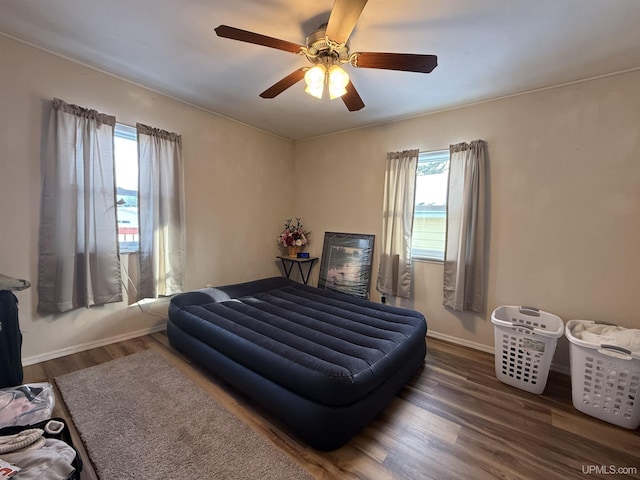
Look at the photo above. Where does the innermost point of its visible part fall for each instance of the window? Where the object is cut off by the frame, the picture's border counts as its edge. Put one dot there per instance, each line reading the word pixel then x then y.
pixel 429 217
pixel 126 158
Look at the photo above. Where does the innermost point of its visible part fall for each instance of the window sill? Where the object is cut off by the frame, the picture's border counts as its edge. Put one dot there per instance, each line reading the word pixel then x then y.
pixel 428 260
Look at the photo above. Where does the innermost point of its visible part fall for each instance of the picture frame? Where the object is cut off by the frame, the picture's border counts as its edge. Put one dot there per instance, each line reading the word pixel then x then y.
pixel 346 263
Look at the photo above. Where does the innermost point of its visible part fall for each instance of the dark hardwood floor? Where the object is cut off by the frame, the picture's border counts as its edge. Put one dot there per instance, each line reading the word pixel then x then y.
pixel 454 420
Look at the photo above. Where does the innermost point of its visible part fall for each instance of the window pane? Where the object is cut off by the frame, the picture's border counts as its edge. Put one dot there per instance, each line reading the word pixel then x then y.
pixel 429 221
pixel 126 157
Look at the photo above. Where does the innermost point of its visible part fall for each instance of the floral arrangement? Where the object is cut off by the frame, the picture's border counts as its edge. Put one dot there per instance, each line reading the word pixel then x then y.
pixel 294 234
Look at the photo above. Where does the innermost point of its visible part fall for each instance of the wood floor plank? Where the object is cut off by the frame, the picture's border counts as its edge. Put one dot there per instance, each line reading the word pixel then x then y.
pixel 598 433
pixel 453 420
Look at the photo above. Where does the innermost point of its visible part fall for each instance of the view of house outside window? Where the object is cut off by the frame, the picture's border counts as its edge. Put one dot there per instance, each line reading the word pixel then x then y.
pixel 126 158
pixel 429 218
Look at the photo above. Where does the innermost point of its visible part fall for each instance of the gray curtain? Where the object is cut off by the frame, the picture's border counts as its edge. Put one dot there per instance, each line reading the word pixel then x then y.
pixel 161 211
pixel 464 267
pixel 78 264
pixel 394 271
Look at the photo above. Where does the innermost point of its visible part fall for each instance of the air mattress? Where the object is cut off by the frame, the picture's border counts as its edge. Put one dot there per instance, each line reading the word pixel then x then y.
pixel 324 363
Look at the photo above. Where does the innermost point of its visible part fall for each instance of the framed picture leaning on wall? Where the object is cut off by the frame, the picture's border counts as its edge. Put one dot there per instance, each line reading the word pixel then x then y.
pixel 346 263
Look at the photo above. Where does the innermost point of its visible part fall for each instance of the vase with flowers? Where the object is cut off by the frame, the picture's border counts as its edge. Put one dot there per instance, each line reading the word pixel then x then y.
pixel 294 236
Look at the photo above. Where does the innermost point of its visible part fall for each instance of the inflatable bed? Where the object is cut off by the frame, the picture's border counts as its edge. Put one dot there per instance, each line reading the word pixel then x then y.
pixel 322 362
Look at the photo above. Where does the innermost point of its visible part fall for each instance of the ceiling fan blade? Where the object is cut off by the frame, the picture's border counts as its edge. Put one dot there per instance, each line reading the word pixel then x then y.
pixel 251 37
pixel 343 19
pixel 351 99
pixel 406 62
pixel 288 81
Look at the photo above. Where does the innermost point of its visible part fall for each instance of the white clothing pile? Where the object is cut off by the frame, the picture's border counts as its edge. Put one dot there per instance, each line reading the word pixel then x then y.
pixel 603 334
pixel 30 456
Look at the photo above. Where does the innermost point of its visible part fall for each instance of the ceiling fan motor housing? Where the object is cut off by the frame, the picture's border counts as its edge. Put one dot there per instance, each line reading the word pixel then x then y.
pixel 319 48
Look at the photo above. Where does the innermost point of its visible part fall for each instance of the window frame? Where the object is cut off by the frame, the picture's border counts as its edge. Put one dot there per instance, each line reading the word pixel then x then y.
pixel 431 255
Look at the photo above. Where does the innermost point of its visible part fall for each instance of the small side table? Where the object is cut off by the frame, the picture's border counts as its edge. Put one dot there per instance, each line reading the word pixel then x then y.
pixel 289 262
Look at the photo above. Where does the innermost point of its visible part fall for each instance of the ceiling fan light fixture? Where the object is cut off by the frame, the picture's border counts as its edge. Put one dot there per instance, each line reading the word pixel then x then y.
pixel 315 78
pixel 338 81
pixel 327 48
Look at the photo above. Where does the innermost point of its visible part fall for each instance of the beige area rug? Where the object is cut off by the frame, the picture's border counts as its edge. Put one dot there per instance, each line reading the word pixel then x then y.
pixel 141 418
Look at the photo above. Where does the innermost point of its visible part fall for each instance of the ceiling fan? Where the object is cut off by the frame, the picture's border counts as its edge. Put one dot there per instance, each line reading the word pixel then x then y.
pixel 328 48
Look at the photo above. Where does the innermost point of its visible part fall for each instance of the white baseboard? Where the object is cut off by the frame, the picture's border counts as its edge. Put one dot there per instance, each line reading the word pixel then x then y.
pixel 563 369
pixel 88 346
pixel 460 341
pixel 158 328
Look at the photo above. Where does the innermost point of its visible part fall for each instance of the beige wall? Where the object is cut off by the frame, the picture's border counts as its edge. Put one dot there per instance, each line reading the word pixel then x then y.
pixel 564 191
pixel 564 197
pixel 238 190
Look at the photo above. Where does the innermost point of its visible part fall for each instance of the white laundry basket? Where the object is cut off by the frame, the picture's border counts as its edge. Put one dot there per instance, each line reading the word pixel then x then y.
pixel 605 380
pixel 525 341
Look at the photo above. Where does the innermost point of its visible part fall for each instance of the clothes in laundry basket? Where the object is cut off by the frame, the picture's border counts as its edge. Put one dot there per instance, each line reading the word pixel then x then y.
pixel 604 334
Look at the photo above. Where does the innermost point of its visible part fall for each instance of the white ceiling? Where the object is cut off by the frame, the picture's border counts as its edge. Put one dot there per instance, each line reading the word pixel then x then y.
pixel 485 48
